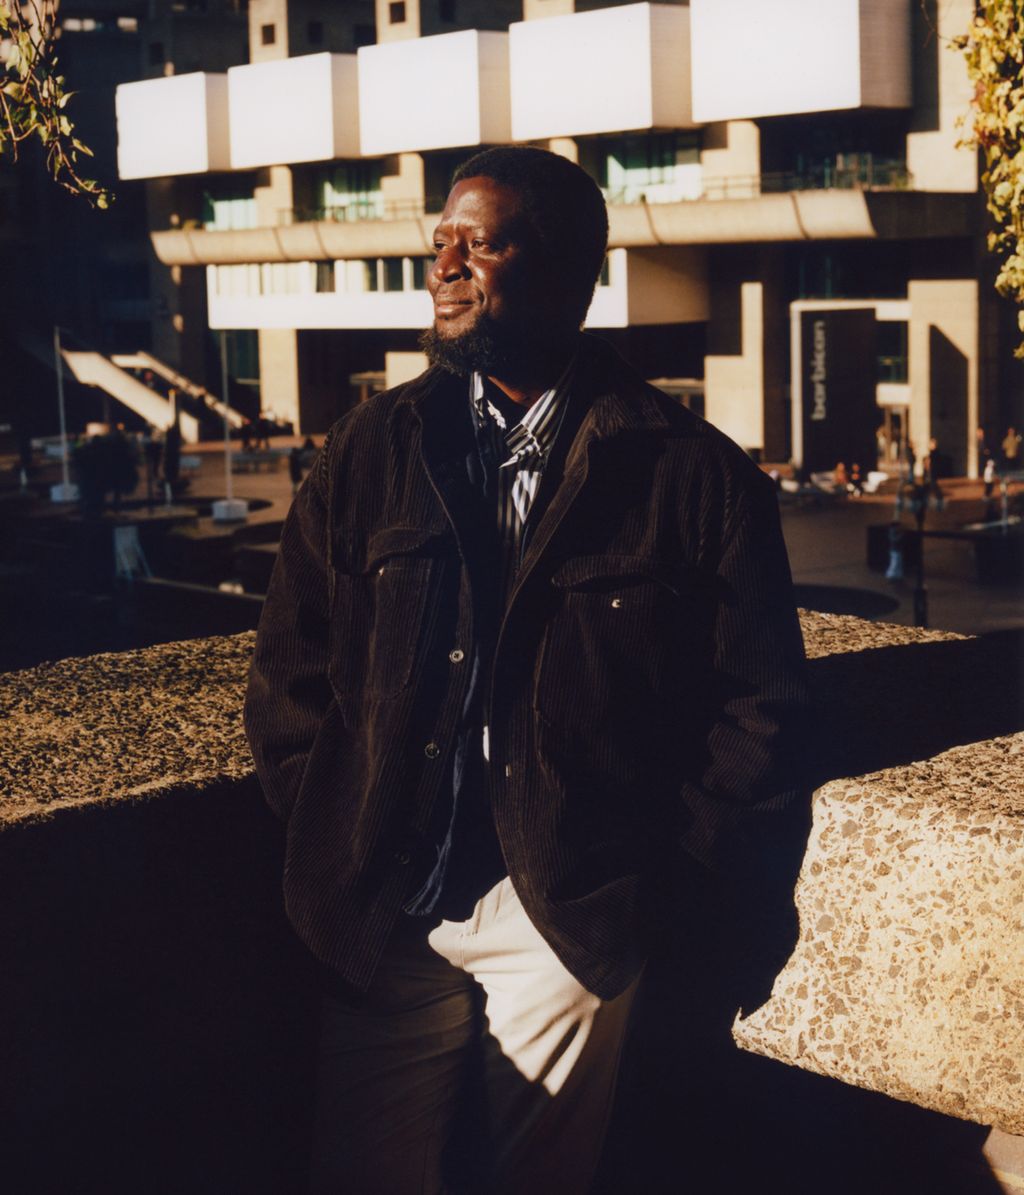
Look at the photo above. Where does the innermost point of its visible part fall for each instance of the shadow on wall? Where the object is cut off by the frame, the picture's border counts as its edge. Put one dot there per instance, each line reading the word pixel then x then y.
pixel 697 1114
pixel 158 1015
pixel 888 706
pixel 159 1018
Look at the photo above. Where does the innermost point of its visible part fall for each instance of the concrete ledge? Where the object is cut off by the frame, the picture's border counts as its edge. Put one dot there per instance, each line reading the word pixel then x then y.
pixel 909 974
pixel 120 726
pixel 128 775
pixel 124 725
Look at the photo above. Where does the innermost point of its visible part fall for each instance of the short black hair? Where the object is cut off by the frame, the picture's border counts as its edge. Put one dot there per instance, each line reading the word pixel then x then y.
pixel 563 204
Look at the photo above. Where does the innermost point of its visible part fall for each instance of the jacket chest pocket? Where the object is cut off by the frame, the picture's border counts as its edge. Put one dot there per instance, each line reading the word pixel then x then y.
pixel 379 614
pixel 611 654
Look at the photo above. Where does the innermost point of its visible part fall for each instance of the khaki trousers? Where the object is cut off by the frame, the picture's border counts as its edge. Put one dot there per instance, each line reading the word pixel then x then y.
pixel 476 1064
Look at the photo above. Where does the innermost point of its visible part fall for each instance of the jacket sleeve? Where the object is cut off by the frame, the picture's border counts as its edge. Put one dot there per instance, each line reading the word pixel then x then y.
pixel 289 692
pixel 752 785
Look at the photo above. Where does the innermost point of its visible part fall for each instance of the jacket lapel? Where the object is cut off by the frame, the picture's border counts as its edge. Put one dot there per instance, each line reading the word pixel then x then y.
pixel 619 407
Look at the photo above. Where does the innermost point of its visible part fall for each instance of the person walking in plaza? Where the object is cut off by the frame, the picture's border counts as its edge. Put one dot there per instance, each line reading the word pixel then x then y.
pixel 295 467
pixel 527 691
pixel 988 477
pixel 1011 449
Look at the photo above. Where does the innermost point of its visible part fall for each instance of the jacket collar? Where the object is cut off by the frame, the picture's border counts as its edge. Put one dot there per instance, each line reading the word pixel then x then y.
pixel 617 399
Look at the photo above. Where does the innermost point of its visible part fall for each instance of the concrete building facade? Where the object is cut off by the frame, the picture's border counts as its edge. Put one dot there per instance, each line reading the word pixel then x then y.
pixel 793 225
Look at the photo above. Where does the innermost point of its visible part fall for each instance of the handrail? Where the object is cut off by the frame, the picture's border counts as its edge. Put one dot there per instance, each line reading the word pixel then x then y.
pixel 871 174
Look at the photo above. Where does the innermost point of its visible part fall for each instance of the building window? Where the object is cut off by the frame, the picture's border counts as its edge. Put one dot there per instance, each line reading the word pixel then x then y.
pixel 446 11
pixel 396 13
pixel 892 340
pixel 156 53
pixel 393 274
pixel 651 167
pixel 351 191
pixel 420 268
pixel 268 34
pixel 315 33
pixel 228 211
pixel 325 278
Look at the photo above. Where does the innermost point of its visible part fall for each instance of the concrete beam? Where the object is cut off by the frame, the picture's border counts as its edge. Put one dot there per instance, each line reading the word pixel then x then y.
pixel 791 216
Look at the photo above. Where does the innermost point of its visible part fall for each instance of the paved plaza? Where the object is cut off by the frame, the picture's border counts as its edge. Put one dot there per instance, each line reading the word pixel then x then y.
pixel 827 548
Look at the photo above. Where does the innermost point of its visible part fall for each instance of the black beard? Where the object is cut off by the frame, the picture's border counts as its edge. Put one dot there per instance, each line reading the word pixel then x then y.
pixel 514 355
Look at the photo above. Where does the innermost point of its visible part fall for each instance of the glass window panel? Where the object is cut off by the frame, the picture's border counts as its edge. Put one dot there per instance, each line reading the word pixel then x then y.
pixel 420 267
pixel 393 274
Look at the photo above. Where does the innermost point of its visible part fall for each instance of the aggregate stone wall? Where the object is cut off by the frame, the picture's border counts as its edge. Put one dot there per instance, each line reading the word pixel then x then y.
pixel 140 911
pixel 908 977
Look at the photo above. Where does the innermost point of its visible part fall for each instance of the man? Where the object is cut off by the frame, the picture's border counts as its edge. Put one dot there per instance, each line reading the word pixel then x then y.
pixel 525 680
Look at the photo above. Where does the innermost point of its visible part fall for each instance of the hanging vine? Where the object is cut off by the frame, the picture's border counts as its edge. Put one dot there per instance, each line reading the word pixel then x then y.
pixel 993 48
pixel 33 101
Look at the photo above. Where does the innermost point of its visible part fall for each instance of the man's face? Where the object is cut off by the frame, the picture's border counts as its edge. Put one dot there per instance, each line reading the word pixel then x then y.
pixel 494 309
pixel 483 259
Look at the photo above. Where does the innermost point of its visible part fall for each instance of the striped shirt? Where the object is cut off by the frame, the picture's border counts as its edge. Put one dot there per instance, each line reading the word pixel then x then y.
pixel 509 460
pixel 527 444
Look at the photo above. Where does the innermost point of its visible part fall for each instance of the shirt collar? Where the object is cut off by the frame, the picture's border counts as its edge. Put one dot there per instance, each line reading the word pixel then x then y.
pixel 532 438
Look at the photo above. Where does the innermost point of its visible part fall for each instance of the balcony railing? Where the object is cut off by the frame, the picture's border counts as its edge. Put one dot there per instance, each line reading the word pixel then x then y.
pixel 361 210
pixel 870 176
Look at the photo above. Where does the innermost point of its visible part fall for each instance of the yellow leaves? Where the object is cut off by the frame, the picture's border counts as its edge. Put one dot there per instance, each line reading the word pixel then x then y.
pixel 33 101
pixel 993 50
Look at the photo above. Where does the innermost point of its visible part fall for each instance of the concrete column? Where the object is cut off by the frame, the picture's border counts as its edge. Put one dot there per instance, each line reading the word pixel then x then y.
pixel 734 385
pixel 388 30
pixel 942 95
pixel 264 14
pixel 536 9
pixel 731 150
pixel 403 183
pixel 179 316
pixel 944 368
pixel 279 375
pixel 280 391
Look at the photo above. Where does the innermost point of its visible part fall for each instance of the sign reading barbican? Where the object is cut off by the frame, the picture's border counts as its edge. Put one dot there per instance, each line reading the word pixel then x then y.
pixel 838 375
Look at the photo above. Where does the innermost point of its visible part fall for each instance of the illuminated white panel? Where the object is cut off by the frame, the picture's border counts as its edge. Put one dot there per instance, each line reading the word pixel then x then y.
pixel 434 92
pixel 641 289
pixel 600 72
pixel 283 295
pixel 302 109
pixel 175 125
pixel 790 56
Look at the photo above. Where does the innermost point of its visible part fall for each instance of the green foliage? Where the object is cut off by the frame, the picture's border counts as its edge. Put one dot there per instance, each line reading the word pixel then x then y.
pixel 33 102
pixel 993 47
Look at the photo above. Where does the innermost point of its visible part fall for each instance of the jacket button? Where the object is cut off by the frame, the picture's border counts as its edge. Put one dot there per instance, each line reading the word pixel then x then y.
pixel 456 655
pixel 403 857
pixel 431 750
pixel 616 603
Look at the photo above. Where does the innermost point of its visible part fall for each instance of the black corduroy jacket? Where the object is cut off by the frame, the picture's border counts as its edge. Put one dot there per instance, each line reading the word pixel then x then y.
pixel 647 687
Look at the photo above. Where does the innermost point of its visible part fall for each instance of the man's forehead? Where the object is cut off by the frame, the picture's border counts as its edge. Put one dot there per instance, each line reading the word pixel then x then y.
pixel 483 200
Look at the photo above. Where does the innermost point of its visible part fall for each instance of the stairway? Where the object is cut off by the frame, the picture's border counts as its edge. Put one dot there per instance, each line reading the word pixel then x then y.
pixel 93 369
pixel 180 383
